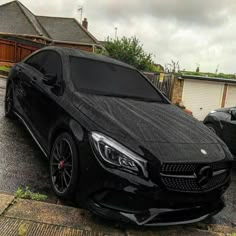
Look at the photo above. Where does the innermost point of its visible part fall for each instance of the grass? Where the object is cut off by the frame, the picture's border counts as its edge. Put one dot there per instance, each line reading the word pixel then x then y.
pixel 25 193
pixel 22 230
pixel 5 68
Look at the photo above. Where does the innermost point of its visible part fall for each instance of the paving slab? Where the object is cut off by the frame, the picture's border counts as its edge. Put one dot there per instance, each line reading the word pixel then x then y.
pixel 3 76
pixel 47 213
pixel 3 82
pixel 17 227
pixel 178 231
pixel 224 229
pixel 5 201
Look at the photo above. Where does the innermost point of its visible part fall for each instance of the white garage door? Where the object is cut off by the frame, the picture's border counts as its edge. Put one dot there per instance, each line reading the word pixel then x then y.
pixel 201 97
pixel 231 96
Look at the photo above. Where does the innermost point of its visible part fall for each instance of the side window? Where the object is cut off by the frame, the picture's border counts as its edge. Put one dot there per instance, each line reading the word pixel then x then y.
pixel 36 60
pixel 52 65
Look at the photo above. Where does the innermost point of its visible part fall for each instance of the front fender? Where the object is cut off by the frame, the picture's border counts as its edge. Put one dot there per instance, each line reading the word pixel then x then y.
pixel 66 124
pixel 211 119
pixel 77 130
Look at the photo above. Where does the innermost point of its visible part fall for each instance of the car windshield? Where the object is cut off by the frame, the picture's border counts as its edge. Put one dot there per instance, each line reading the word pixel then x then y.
pixel 108 79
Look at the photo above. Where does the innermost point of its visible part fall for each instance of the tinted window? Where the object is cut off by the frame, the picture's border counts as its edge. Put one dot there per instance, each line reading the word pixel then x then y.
pixel 52 64
pixel 36 60
pixel 110 79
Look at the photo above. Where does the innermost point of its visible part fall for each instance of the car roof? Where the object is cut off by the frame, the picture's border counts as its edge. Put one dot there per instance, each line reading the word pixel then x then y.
pixel 87 55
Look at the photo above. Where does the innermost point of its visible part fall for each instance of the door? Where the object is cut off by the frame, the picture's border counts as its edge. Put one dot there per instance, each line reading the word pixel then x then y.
pixel 46 98
pixel 27 73
pixel 231 96
pixel 201 97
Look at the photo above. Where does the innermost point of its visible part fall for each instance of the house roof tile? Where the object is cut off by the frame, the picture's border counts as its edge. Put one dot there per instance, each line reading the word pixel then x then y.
pixel 15 18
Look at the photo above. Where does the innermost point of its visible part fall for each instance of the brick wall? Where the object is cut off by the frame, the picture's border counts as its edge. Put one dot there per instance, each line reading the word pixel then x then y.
pixel 177 91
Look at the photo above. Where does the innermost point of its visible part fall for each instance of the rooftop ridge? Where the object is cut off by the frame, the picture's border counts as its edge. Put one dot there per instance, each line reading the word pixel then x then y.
pixel 59 17
pixel 45 26
pixel 35 24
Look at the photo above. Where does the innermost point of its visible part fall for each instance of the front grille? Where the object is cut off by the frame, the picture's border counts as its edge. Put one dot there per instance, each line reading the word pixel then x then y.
pixel 184 177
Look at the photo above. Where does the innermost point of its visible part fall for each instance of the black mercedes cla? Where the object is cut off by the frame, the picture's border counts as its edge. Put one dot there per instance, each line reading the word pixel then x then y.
pixel 116 145
pixel 223 123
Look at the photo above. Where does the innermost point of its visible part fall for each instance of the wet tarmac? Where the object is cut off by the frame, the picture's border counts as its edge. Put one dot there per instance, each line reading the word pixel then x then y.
pixel 23 164
pixel 21 161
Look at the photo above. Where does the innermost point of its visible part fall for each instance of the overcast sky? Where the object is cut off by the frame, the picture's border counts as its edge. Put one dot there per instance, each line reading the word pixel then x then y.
pixel 191 31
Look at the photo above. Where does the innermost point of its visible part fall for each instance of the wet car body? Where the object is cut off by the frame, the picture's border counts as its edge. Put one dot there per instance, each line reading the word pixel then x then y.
pixel 223 123
pixel 171 169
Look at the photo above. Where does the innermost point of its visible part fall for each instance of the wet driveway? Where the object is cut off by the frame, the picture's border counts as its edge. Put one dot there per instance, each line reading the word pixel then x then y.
pixel 23 164
pixel 21 161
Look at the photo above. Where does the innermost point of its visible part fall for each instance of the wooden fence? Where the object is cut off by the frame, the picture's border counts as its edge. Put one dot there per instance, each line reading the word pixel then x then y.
pixel 12 51
pixel 163 81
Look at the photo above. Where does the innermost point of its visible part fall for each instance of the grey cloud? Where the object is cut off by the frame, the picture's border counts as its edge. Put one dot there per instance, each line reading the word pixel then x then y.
pixel 187 12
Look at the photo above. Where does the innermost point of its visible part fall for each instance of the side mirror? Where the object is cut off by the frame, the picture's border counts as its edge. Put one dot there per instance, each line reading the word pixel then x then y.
pixel 233 114
pixel 50 79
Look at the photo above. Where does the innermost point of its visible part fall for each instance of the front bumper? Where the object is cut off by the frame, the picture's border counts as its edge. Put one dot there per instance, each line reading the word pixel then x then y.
pixel 160 216
pixel 130 202
pixel 158 207
pixel 121 196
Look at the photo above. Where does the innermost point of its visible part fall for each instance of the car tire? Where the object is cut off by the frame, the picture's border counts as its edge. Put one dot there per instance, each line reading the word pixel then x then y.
pixel 8 105
pixel 64 166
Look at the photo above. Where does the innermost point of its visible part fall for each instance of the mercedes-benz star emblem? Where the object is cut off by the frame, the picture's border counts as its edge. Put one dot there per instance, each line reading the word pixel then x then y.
pixel 204 175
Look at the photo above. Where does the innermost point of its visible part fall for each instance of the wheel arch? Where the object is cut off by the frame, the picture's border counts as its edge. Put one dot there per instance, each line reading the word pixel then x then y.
pixel 71 126
pixel 217 124
pixel 9 82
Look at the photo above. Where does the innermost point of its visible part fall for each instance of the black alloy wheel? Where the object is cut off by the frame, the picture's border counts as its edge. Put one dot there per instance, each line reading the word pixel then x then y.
pixel 9 102
pixel 64 166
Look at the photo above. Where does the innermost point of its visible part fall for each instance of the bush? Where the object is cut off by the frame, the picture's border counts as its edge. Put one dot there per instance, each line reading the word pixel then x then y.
pixel 130 51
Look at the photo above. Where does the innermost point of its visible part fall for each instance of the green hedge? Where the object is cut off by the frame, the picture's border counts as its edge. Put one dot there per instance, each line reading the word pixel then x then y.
pixel 206 74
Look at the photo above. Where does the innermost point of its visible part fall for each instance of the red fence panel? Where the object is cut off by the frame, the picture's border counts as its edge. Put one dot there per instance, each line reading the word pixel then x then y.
pixel 7 51
pixel 13 51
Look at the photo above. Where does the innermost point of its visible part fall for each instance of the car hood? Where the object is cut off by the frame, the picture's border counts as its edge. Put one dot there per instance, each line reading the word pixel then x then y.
pixel 151 129
pixel 144 121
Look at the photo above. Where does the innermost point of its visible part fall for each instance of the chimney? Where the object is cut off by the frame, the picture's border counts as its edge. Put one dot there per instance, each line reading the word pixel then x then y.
pixel 85 23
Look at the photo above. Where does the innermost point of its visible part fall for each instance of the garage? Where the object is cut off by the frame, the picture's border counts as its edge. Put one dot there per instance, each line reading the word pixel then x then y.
pixel 231 96
pixel 201 97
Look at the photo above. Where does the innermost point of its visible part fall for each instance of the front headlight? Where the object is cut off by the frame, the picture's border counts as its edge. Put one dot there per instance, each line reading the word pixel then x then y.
pixel 116 155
